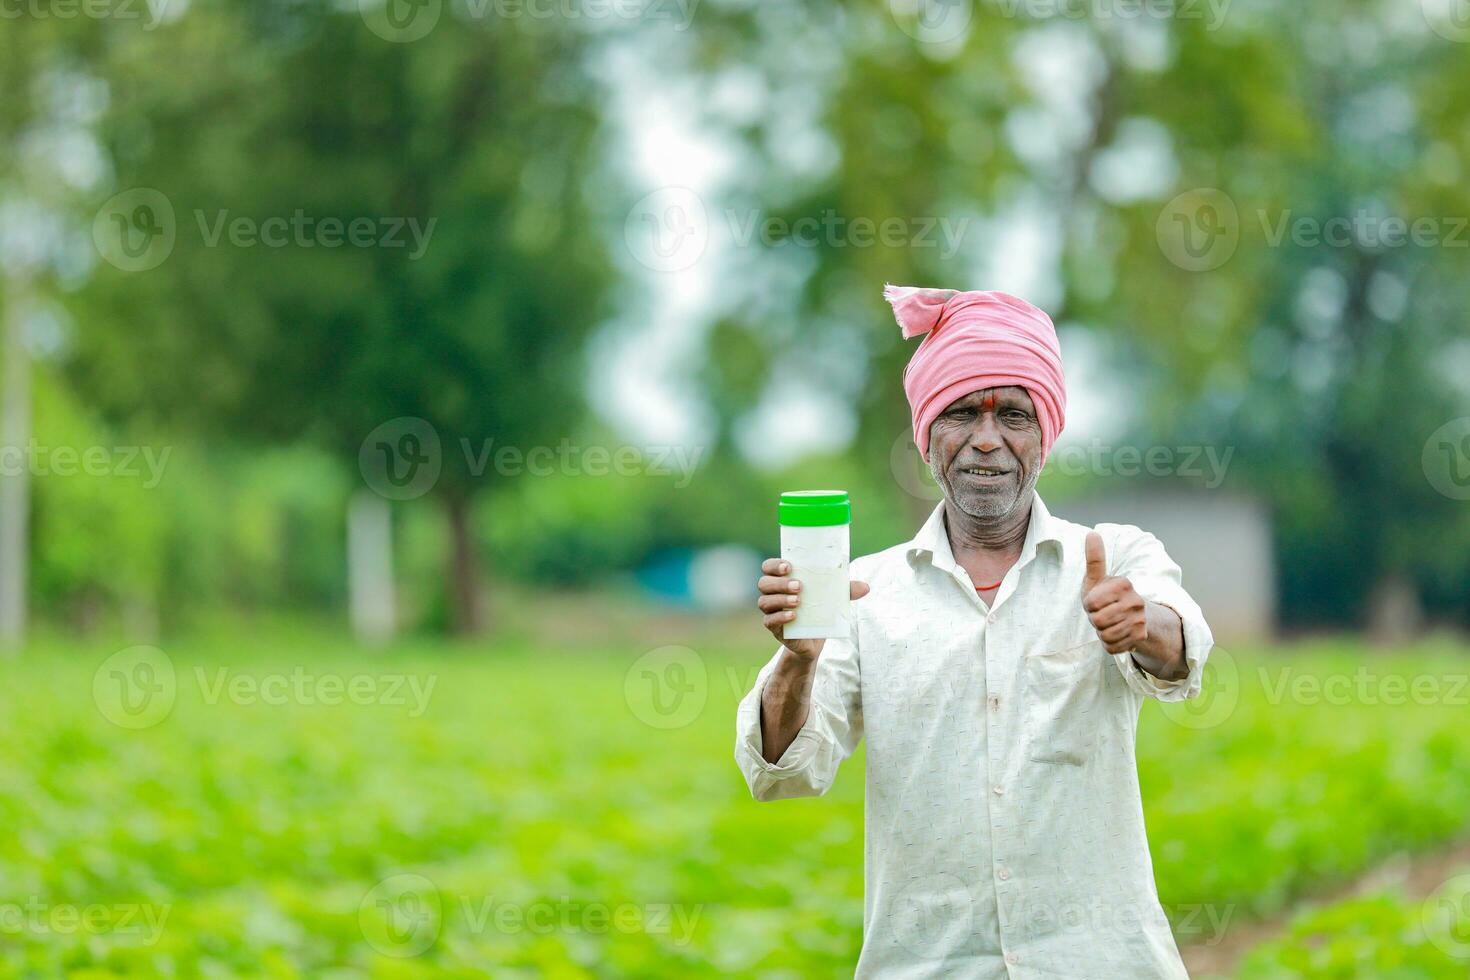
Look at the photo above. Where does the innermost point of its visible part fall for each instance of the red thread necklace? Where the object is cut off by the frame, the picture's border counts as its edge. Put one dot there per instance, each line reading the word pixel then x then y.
pixel 987 588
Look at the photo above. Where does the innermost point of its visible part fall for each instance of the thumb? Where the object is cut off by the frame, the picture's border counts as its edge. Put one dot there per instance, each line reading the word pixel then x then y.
pixel 857 589
pixel 1097 562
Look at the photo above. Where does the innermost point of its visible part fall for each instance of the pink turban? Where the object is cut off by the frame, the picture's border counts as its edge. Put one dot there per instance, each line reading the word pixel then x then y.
pixel 978 340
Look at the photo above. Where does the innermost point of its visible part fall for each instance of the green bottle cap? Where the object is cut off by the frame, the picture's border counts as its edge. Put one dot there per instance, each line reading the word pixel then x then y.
pixel 814 508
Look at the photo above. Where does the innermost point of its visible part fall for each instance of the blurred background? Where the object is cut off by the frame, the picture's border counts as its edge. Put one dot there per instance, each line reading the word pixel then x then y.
pixel 396 395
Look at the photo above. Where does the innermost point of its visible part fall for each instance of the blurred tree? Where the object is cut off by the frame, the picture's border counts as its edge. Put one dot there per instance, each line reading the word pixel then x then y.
pixel 1083 149
pixel 463 157
pixel 46 157
pixel 1323 348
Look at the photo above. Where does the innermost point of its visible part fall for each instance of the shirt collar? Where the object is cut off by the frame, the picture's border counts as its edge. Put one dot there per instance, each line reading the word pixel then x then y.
pixel 933 539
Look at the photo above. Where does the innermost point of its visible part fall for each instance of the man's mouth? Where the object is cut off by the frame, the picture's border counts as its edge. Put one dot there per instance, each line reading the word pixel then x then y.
pixel 985 472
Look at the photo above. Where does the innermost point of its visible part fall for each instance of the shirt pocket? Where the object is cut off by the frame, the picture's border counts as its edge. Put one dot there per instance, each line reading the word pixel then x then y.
pixel 1064 697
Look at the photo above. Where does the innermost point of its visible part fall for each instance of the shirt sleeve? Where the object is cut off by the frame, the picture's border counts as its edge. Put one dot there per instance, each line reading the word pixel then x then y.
pixel 1140 557
pixel 834 726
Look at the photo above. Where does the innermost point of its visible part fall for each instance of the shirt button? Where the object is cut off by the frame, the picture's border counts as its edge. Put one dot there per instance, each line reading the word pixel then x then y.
pixel 999 791
pixel 1012 959
pixel 995 702
pixel 1004 874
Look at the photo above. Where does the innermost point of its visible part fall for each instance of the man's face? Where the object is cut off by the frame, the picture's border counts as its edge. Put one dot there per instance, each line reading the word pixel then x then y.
pixel 985 451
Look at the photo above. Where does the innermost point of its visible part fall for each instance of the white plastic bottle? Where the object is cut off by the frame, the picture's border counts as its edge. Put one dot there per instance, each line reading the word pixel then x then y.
pixel 814 539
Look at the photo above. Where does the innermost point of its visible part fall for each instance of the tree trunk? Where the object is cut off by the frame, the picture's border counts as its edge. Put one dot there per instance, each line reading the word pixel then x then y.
pixel 15 487
pixel 370 567
pixel 466 608
pixel 1395 615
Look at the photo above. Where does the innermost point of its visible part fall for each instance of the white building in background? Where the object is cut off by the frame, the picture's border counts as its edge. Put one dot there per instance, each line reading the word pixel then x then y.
pixel 1222 543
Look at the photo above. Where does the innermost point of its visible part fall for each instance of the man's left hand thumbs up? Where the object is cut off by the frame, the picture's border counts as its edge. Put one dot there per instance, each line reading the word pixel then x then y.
pixel 1116 610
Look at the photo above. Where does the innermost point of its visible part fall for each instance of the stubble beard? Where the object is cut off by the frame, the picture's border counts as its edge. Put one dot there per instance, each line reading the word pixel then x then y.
pixel 987 505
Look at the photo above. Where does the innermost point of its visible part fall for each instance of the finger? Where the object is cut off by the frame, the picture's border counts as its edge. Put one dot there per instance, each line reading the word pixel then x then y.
pixel 775 603
pixel 1106 593
pixel 1109 615
pixel 1116 634
pixel 773 584
pixel 857 590
pixel 1097 562
pixel 778 619
pixel 776 566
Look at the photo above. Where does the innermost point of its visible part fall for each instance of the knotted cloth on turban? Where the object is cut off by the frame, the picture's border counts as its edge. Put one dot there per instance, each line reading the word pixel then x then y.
pixel 977 340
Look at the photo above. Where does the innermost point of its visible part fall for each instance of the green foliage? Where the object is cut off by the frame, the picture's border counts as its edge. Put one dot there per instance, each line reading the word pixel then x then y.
pixel 531 781
pixel 1326 366
pixel 149 531
pixel 1376 937
pixel 97 535
pixel 254 530
pixel 484 138
pixel 1322 763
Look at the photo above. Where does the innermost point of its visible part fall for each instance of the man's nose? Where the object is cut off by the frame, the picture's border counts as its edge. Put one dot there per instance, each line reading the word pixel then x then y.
pixel 985 435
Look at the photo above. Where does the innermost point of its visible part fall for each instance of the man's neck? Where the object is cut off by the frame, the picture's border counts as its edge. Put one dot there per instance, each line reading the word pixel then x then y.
pixel 1001 537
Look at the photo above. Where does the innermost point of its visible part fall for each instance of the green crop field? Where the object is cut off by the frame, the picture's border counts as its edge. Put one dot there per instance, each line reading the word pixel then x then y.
pixel 1384 935
pixel 279 805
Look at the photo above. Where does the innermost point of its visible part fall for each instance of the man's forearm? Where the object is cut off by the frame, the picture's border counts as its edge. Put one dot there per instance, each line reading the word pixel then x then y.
pixel 785 702
pixel 1162 653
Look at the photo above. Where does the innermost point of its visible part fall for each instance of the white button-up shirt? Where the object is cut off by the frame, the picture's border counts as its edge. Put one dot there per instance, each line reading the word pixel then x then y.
pixel 1004 827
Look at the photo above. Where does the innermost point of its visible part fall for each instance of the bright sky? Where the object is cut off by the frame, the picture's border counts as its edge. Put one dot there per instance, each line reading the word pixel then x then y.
pixel 646 365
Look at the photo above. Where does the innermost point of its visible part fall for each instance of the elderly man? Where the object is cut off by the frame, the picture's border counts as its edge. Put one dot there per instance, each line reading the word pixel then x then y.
pixel 996 664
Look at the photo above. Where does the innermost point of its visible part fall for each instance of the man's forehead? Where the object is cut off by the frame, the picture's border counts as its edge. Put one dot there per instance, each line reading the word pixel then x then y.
pixel 1010 396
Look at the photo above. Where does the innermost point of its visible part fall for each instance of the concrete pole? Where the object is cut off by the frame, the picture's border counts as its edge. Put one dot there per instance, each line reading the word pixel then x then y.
pixel 370 593
pixel 15 487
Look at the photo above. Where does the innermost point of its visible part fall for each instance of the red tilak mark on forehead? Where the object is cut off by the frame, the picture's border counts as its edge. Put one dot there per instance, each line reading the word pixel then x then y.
pixel 987 402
